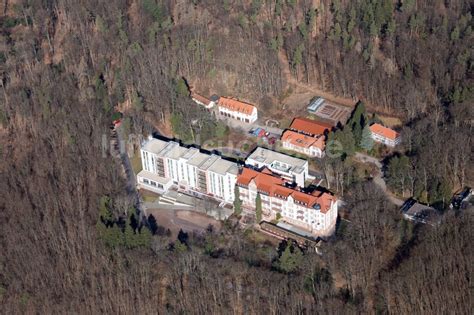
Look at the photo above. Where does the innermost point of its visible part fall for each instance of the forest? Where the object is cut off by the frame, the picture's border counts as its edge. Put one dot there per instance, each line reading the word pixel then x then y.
pixel 69 241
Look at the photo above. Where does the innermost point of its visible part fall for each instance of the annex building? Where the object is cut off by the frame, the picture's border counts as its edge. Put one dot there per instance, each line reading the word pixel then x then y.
pixel 385 135
pixel 232 108
pixel 309 127
pixel 301 143
pixel 201 100
pixel 291 168
pixel 306 136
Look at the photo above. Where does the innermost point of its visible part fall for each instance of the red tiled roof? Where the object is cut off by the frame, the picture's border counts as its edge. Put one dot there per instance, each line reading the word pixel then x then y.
pixel 301 140
pixel 264 180
pixel 384 131
pixel 324 199
pixel 309 126
pixel 282 191
pixel 308 200
pixel 273 185
pixel 200 98
pixel 236 106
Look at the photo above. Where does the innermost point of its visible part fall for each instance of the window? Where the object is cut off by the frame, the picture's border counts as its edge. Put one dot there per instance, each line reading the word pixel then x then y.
pixel 146 161
pixel 221 186
pixel 146 181
pixel 153 183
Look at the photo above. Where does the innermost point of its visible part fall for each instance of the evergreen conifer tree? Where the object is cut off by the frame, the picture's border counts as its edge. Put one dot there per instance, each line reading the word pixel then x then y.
pixel 131 239
pixel 237 201
pixel 366 141
pixel 258 208
pixel 290 259
pixel 152 224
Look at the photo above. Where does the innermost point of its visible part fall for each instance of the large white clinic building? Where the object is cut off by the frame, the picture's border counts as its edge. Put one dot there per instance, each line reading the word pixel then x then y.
pixel 167 164
pixel 290 168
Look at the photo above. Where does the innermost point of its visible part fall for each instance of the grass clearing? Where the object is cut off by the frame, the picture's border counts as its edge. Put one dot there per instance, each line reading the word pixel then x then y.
pixel 136 162
pixel 390 121
pixel 285 123
pixel 148 196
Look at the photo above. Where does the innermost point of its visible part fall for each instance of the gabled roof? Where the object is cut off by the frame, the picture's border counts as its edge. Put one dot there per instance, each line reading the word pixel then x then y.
pixel 264 179
pixel 384 131
pixel 274 186
pixel 236 106
pixel 302 140
pixel 282 191
pixel 309 126
pixel 200 98
pixel 324 199
pixel 304 198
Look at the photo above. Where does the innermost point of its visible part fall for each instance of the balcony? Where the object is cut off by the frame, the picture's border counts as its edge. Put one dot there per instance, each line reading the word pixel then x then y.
pixel 281 168
pixel 202 187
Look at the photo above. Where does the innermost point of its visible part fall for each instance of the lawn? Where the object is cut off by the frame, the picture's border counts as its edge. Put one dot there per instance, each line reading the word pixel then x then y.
pixel 390 121
pixel 148 196
pixel 136 162
pixel 285 122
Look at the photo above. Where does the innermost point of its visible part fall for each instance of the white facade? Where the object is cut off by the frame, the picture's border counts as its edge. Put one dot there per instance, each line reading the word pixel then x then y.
pixel 153 182
pixel 312 150
pixel 223 111
pixel 169 164
pixel 234 109
pixel 207 104
pixel 289 167
pixel 384 135
pixel 384 140
pixel 319 218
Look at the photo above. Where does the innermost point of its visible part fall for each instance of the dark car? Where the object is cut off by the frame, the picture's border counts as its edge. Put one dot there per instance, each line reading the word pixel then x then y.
pixel 459 198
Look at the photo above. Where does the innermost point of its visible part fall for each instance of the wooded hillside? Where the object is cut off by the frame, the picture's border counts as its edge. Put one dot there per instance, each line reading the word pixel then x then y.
pixel 66 64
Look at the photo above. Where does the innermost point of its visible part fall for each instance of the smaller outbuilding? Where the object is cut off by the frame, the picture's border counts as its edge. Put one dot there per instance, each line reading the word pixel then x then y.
pixel 312 146
pixel 201 100
pixel 415 211
pixel 309 127
pixel 385 135
pixel 315 104
pixel 238 110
